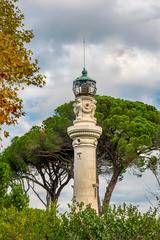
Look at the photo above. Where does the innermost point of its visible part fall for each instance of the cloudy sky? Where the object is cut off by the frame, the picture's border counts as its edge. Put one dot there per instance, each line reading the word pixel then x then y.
pixel 122 55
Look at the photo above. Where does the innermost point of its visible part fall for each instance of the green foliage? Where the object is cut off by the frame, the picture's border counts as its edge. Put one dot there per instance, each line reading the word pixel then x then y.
pixel 5 176
pixel 117 223
pixel 11 194
pixel 133 127
pixel 25 151
pixel 17 198
pixel 51 136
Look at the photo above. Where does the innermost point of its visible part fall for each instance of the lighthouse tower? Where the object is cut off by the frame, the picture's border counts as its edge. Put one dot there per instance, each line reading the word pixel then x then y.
pixel 84 134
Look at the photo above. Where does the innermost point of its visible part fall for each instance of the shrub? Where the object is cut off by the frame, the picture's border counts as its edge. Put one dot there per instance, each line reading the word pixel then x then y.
pixel 117 223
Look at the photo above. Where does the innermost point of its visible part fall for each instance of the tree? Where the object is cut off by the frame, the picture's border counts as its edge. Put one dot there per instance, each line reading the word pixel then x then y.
pixel 17 68
pixel 11 194
pixel 43 156
pixel 131 130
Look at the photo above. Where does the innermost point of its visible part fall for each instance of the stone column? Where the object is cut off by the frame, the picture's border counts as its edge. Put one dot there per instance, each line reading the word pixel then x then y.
pixel 85 133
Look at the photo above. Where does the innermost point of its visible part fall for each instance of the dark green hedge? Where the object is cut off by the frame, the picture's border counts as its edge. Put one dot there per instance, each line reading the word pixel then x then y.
pixel 122 223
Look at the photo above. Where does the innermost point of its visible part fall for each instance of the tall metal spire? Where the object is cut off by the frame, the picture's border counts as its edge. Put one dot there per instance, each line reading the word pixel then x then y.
pixel 84 53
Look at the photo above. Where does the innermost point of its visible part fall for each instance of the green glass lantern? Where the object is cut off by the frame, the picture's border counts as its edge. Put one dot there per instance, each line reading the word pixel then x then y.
pixel 84 85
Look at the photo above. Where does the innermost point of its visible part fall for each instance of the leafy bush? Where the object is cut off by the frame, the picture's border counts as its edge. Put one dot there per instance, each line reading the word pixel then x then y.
pixel 16 197
pixel 117 223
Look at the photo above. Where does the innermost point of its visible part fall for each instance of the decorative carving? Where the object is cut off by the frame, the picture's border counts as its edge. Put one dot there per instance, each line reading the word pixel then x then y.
pixel 84 141
pixel 79 155
pixel 85 108
pixel 95 187
pixel 78 108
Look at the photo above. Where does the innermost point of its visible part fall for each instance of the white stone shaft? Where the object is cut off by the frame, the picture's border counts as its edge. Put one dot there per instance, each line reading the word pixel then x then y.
pixel 85 133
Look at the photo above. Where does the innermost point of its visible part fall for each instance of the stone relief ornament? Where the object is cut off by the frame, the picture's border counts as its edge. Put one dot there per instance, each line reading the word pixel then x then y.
pixel 78 109
pixel 84 108
pixel 79 155
pixel 83 141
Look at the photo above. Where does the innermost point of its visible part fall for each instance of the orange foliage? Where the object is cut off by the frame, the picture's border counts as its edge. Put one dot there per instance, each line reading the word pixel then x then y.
pixel 16 66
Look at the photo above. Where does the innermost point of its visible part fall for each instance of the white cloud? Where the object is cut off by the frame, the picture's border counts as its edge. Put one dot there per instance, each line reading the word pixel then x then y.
pixel 69 4
pixel 133 190
pixel 130 7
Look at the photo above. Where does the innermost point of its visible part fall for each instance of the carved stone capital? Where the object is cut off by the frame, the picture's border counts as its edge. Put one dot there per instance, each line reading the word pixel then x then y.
pixel 84 131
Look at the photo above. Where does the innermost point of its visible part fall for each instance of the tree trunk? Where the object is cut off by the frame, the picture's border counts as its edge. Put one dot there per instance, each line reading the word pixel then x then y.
pixel 51 199
pixel 110 187
pixel 97 181
pixel 48 202
pixel 99 202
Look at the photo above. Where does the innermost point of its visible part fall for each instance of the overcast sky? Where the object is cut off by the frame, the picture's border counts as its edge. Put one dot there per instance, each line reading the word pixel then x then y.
pixel 122 55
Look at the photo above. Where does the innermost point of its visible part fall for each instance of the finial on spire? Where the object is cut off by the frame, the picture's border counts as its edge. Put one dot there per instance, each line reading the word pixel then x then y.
pixel 84 52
